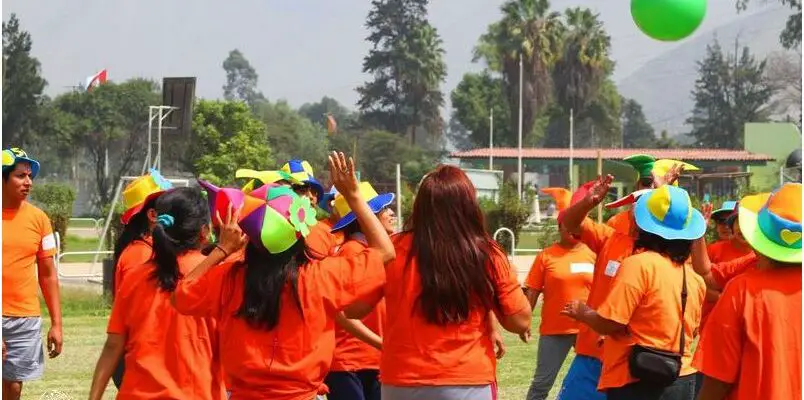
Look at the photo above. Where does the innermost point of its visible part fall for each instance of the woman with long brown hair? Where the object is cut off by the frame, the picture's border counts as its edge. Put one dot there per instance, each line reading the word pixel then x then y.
pixel 446 279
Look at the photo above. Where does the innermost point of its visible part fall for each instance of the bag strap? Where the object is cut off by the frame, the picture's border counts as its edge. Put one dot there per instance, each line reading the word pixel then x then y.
pixel 683 306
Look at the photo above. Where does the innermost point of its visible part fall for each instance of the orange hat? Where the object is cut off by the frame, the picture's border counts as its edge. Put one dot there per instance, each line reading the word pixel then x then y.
pixel 560 195
pixel 579 195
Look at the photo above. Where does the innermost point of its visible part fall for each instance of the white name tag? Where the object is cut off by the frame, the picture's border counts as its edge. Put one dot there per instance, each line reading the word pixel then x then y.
pixel 582 268
pixel 611 268
pixel 49 242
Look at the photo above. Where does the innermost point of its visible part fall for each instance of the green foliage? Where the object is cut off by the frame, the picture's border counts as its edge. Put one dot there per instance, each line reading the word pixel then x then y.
pixel 548 234
pixel 473 99
pixel 637 132
pixel 317 113
pixel 241 80
pixel 408 197
pixel 22 85
pixel 56 200
pixel 292 136
pixel 227 137
pixel 508 212
pixel 729 92
pixel 790 37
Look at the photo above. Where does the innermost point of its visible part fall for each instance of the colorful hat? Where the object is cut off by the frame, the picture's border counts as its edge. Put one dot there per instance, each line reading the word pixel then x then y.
pixel 642 163
pixel 264 177
pixel 13 155
pixel 303 172
pixel 579 195
pixel 771 223
pixel 142 190
pixel 375 201
pixel 667 212
pixel 274 221
pixel 728 208
pixel 560 195
pixel 662 167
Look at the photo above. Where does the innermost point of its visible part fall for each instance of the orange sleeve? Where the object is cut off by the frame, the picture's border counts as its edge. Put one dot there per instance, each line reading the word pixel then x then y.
pixel 120 307
pixel 626 293
pixel 345 280
pixel 47 245
pixel 509 294
pixel 723 272
pixel 201 297
pixel 721 346
pixel 595 235
pixel 535 278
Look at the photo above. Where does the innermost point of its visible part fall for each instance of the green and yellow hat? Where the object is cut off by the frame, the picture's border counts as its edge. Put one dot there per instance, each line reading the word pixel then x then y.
pixel 13 155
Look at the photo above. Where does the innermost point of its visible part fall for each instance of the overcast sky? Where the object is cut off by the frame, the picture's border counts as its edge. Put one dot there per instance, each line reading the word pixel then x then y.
pixel 302 49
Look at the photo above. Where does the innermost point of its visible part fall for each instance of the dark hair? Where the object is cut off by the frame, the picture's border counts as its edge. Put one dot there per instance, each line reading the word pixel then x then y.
pixel 264 280
pixel 451 246
pixel 136 229
pixel 7 173
pixel 190 213
pixel 678 250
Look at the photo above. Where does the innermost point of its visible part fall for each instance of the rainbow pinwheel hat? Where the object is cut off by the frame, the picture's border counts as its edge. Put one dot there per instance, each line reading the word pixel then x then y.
pixel 667 212
pixel 302 171
pixel 142 190
pixel 273 216
pixel 771 223
pixel 13 155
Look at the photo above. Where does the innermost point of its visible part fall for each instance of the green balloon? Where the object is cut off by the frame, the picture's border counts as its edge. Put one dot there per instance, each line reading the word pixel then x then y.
pixel 668 20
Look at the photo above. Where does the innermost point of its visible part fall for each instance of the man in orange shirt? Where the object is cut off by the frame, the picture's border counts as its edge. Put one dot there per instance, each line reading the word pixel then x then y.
pixel 751 346
pixel 28 250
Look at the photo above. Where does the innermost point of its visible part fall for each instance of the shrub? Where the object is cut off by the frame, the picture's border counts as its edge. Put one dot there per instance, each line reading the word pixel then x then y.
pixel 509 212
pixel 56 200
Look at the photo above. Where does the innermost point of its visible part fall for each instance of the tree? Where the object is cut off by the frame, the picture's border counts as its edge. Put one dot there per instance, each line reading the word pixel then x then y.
pixel 22 84
pixel 407 68
pixel 318 112
pixel 790 37
pixel 472 100
pixel 783 75
pixel 241 80
pixel 291 136
pixel 228 137
pixel 666 142
pixel 637 132
pixel 729 92
pixel 528 29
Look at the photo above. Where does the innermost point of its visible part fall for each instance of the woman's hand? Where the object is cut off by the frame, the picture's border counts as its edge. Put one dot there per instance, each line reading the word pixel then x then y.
pixel 230 238
pixel 342 174
pixel 600 189
pixel 670 177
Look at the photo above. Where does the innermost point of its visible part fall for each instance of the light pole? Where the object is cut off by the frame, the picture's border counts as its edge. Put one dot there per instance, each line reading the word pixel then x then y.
pixel 519 150
pixel 491 139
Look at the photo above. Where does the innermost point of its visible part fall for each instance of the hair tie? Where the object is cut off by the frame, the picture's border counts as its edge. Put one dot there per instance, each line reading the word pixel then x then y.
pixel 165 220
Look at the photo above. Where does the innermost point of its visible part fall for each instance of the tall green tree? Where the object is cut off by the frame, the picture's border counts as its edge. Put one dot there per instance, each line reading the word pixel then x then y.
pixel 729 92
pixel 318 112
pixel 241 80
pixel 637 132
pixel 22 84
pixel 530 30
pixel 472 101
pixel 407 68
pixel 790 37
pixel 292 136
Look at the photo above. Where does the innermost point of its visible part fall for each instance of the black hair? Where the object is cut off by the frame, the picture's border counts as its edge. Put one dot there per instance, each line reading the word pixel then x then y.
pixel 136 229
pixel 264 281
pixel 189 211
pixel 6 174
pixel 677 250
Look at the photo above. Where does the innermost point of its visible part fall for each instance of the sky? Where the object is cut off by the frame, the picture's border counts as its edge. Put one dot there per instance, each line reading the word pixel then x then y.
pixel 301 49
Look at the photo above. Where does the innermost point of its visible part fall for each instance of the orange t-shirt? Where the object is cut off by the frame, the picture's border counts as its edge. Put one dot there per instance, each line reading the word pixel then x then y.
pixel 725 250
pixel 725 271
pixel 168 355
pixel 27 237
pixel 418 353
pixel 646 297
pixel 562 275
pixel 753 338
pixel 321 242
pixel 612 247
pixel 351 353
pixel 137 253
pixel 290 361
pixel 621 222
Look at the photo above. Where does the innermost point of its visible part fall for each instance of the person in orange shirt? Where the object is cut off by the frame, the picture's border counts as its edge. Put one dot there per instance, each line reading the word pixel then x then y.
pixel 730 247
pixel 133 247
pixel 719 218
pixel 751 346
pixel 28 250
pixel 562 272
pixel 447 279
pixel 168 355
pixel 322 241
pixel 354 374
pixel 276 308
pixel 652 310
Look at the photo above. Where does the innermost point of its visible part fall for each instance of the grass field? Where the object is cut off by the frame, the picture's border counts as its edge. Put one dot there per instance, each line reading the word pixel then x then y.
pixel 85 317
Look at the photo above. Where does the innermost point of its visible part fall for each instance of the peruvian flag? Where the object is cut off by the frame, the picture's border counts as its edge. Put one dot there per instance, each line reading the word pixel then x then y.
pixel 96 79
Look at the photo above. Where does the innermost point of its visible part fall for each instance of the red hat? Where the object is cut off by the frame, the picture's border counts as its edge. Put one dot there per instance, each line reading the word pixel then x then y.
pixel 579 195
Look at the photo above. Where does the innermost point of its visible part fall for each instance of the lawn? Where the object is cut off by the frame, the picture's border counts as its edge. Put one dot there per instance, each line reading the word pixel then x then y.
pixel 85 316
pixel 78 243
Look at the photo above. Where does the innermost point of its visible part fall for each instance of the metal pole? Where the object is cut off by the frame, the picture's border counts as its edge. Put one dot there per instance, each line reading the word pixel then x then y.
pixel 519 151
pixel 108 221
pixel 571 135
pixel 158 161
pixel 398 198
pixel 491 139
pixel 147 162
pixel 599 173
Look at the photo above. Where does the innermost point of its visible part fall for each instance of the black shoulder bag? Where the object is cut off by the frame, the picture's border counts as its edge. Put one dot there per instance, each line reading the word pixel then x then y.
pixel 660 367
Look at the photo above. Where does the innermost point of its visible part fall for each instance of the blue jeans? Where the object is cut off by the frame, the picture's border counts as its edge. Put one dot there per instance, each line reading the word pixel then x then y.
pixel 358 385
pixel 581 380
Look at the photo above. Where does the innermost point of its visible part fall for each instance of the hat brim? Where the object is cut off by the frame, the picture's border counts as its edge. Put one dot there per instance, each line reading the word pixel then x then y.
pixel 376 205
pixel 33 163
pixel 695 229
pixel 131 212
pixel 749 227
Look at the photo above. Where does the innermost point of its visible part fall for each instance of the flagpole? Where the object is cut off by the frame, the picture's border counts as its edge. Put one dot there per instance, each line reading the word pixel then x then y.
pixel 519 151
pixel 491 139
pixel 571 149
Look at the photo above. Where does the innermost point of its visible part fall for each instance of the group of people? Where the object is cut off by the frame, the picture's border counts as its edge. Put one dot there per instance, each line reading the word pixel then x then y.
pixel 281 289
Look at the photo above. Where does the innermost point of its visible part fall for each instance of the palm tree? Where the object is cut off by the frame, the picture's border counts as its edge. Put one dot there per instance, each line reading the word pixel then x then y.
pixel 528 29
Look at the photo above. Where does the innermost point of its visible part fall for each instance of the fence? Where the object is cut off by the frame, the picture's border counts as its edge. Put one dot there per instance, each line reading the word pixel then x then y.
pixel 93 265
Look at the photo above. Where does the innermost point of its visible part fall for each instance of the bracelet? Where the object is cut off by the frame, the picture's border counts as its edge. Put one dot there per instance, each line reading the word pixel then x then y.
pixel 217 246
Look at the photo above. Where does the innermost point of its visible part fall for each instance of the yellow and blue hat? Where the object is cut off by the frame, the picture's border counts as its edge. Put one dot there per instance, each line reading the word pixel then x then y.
pixel 302 171
pixel 668 213
pixel 376 203
pixel 13 155
pixel 771 223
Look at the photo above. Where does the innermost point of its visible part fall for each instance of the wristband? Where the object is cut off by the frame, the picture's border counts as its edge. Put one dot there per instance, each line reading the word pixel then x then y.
pixel 222 250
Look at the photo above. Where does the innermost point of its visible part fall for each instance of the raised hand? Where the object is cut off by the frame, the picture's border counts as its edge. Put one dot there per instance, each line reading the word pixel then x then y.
pixel 670 177
pixel 230 238
pixel 600 189
pixel 342 174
